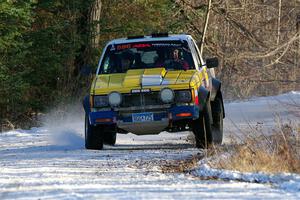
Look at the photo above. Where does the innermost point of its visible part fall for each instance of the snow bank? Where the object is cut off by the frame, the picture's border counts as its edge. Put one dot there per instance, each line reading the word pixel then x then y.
pixel 260 115
pixel 286 181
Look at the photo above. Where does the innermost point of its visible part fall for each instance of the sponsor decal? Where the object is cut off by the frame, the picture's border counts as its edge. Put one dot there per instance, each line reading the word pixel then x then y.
pixel 145 90
pixel 166 45
pixel 128 46
pixel 113 48
pixel 144 45
pixel 141 45
pixel 123 46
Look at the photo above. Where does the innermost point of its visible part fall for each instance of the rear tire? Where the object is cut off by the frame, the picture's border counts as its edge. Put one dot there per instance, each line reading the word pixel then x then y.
pixel 202 128
pixel 93 136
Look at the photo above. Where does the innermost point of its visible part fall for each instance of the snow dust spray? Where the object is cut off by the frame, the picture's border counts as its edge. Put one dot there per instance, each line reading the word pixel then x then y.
pixel 66 125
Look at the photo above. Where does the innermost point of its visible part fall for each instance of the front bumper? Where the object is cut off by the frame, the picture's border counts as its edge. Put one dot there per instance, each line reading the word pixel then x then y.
pixel 172 113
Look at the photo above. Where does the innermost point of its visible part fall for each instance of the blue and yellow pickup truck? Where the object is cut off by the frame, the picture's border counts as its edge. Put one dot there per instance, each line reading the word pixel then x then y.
pixel 149 84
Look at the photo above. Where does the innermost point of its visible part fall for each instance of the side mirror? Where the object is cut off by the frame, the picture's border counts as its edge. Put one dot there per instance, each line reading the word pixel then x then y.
pixel 212 62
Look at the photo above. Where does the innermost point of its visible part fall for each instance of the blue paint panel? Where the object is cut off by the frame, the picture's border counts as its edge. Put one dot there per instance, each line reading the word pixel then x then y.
pixel 159 116
pixel 184 109
pixel 126 119
pixel 102 115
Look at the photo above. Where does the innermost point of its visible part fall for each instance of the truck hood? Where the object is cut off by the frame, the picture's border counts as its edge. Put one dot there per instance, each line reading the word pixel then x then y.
pixel 142 78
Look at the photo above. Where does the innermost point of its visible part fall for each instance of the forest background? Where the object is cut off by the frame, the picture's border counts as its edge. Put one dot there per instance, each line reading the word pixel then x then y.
pixel 49 47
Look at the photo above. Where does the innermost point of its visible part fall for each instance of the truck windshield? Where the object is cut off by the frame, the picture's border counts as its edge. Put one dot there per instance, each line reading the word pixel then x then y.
pixel 172 55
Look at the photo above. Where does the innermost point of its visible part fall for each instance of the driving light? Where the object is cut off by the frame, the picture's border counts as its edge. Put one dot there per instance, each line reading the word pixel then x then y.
pixel 114 99
pixel 183 96
pixel 167 95
pixel 100 101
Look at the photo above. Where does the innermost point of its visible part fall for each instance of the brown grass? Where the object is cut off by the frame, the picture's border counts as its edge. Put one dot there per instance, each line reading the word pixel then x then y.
pixel 181 166
pixel 279 152
pixel 275 153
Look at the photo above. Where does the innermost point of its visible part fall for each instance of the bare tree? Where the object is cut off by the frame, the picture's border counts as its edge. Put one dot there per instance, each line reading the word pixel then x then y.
pixel 205 25
pixel 95 15
pixel 254 39
pixel 279 20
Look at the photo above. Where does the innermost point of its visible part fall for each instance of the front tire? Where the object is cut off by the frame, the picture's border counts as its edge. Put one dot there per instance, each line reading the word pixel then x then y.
pixel 93 137
pixel 110 138
pixel 202 128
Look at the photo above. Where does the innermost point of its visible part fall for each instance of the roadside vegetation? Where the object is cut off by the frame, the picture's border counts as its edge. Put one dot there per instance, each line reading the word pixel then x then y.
pixel 276 153
pixel 253 150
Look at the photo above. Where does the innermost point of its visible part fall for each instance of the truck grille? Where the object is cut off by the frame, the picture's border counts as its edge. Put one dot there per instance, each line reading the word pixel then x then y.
pixel 141 99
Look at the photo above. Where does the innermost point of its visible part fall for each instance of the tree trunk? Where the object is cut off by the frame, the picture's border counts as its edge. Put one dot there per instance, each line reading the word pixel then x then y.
pixel 297 65
pixel 278 22
pixel 205 25
pixel 95 14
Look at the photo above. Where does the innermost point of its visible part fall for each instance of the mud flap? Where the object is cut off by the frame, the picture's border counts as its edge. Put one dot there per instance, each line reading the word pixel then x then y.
pixel 203 95
pixel 204 99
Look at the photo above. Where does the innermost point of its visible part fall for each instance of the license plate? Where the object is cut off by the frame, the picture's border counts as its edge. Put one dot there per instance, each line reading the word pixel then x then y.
pixel 142 117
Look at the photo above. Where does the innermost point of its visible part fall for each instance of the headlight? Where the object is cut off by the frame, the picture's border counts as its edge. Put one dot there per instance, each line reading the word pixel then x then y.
pixel 114 99
pixel 183 96
pixel 100 101
pixel 167 95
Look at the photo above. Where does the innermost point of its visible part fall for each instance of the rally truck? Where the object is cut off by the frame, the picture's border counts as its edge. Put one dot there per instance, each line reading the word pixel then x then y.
pixel 149 84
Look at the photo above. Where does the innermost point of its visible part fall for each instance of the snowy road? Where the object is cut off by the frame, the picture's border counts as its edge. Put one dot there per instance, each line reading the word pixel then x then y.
pixel 51 163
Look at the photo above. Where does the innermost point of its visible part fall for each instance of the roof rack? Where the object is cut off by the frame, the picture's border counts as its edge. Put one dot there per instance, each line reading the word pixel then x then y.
pixel 135 37
pixel 160 34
